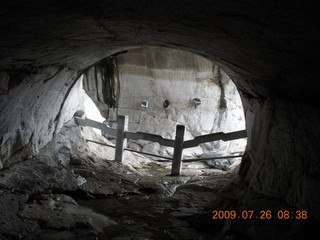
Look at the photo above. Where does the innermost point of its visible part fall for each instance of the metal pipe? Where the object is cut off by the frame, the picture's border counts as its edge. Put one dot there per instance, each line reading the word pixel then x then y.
pixel 154 155
pixel 201 159
pixel 150 154
pixel 101 143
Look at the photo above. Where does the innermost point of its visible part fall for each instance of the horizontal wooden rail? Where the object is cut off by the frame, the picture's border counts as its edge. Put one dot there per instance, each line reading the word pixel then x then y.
pixel 214 137
pixel 122 134
pixel 149 137
pixel 90 123
pixel 128 149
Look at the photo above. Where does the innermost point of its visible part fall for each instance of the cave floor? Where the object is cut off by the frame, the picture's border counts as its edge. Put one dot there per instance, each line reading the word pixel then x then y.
pixel 83 195
pixel 106 200
pixel 109 200
pixel 153 207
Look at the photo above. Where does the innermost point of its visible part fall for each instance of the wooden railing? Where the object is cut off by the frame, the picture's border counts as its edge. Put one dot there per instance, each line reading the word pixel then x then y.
pixel 122 134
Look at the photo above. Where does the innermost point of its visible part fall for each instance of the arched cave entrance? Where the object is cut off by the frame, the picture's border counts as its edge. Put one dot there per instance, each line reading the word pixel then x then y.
pixel 119 84
pixel 268 48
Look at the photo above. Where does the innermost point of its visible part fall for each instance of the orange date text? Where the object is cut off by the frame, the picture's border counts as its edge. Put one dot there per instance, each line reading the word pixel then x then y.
pixel 262 214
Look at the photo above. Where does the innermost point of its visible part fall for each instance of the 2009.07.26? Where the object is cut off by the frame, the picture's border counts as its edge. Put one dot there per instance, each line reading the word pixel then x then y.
pixel 262 214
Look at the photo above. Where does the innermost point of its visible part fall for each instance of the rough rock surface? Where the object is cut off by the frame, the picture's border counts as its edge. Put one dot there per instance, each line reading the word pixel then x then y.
pixel 285 145
pixel 102 199
pixel 88 196
pixel 159 74
pixel 269 48
pixel 32 110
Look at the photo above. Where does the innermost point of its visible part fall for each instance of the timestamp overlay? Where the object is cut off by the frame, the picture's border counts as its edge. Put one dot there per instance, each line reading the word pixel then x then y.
pixel 260 215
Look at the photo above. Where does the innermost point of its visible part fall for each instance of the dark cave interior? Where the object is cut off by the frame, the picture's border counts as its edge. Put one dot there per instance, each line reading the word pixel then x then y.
pixel 270 49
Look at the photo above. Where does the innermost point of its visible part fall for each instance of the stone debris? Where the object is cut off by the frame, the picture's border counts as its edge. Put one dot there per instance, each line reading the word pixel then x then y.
pixel 43 199
pixel 223 164
pixel 269 48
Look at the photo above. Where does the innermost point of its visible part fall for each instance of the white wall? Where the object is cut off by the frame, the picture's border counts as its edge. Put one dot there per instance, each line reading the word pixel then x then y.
pixel 157 74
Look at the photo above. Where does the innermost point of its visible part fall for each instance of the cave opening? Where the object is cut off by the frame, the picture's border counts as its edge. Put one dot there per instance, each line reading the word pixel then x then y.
pixel 52 187
pixel 159 88
pixel 125 198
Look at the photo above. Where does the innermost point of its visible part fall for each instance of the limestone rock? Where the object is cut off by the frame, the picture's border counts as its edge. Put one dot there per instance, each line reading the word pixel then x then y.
pixel 134 146
pixel 62 212
pixel 269 48
pixel 64 155
pixel 149 73
pixel 151 148
pixel 36 115
pixel 222 164
pixel 43 176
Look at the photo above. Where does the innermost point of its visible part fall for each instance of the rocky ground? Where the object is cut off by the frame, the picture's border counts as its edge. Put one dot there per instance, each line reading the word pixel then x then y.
pixel 73 190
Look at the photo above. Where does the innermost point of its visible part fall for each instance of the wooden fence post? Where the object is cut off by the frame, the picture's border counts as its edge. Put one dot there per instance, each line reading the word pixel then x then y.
pixel 121 141
pixel 177 153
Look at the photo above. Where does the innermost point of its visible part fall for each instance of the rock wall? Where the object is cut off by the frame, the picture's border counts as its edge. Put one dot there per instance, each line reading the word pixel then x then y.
pixel 159 74
pixel 283 164
pixel 269 48
pixel 101 82
pixel 31 103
